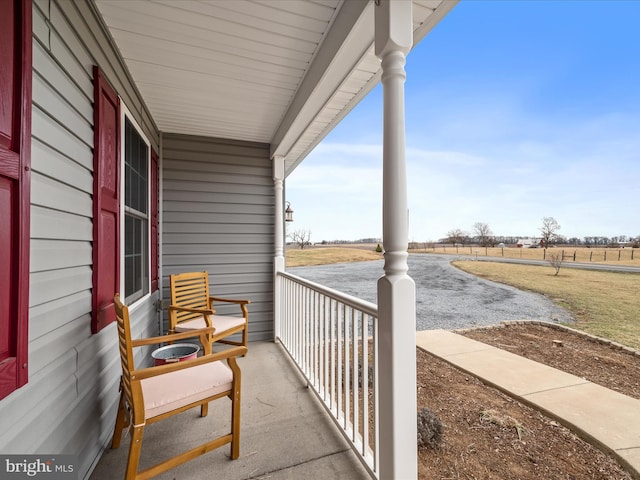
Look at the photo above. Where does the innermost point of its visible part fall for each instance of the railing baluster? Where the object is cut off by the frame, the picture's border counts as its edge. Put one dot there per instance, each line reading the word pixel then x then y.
pixel 325 350
pixel 356 374
pixel 339 367
pixel 364 334
pixel 316 340
pixel 347 372
pixel 376 405
pixel 307 331
pixel 333 309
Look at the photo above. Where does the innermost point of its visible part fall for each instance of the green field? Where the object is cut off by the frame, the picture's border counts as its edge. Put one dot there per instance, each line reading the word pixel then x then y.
pixel 325 255
pixel 606 304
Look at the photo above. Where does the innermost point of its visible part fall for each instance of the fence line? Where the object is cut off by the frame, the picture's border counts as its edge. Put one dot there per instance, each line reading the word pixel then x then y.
pixel 629 256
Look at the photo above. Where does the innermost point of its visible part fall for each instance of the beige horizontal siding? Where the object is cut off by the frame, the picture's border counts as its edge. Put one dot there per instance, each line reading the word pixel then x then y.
pixel 217 215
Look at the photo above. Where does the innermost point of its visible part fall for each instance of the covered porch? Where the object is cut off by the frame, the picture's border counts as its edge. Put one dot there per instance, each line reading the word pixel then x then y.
pixel 235 84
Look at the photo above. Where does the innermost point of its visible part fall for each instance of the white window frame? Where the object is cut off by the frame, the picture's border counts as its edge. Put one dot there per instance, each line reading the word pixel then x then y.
pixel 126 115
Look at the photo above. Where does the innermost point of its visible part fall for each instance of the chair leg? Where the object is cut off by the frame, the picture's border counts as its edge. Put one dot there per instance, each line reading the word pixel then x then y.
pixel 235 424
pixel 245 334
pixel 134 452
pixel 204 409
pixel 120 422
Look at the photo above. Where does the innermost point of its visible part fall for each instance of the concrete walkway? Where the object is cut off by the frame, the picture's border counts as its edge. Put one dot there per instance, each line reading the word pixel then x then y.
pixel 601 416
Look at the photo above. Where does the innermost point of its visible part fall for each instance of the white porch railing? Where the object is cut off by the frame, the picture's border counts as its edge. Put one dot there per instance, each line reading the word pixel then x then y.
pixel 331 337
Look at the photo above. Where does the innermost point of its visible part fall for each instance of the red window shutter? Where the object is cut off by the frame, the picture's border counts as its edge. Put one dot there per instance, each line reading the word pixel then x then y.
pixel 154 220
pixel 15 183
pixel 106 202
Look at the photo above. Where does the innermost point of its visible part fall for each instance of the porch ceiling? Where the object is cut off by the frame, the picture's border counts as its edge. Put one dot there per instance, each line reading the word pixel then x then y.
pixel 280 72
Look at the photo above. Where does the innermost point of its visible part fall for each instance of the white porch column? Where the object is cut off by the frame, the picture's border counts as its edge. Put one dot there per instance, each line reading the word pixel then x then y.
pixel 278 261
pixel 396 290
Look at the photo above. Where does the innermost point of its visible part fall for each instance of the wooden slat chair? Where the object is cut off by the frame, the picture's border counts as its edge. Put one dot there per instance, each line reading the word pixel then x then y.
pixel 192 307
pixel 152 394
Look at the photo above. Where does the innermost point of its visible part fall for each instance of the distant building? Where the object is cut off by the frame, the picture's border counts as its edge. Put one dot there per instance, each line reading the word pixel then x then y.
pixel 528 243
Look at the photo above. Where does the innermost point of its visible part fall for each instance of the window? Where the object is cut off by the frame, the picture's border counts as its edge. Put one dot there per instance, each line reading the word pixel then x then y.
pixel 136 213
pixel 15 182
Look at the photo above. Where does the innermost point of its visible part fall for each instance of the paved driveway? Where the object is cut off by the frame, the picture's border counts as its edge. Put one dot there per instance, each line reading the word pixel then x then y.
pixel 445 296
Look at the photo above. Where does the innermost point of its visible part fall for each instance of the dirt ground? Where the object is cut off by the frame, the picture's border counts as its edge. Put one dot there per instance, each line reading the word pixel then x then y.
pixel 488 435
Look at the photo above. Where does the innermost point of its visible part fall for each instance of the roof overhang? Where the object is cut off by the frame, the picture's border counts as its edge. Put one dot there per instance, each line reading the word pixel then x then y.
pixel 279 72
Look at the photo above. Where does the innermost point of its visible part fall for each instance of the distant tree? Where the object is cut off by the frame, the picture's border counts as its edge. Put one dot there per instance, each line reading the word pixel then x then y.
pixel 455 236
pixel 483 232
pixel 300 237
pixel 549 230
pixel 556 259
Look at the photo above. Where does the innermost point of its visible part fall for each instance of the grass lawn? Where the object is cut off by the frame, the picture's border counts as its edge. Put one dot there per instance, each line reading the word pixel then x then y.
pixel 326 255
pixel 606 304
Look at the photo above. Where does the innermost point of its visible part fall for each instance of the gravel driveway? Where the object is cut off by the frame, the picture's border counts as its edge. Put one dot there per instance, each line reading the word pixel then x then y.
pixel 445 296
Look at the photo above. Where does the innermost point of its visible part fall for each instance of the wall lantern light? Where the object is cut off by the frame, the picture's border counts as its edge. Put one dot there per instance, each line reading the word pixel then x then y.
pixel 288 213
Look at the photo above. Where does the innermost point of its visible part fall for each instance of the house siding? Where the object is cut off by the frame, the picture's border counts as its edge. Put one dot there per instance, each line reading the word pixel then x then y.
pixel 68 405
pixel 217 215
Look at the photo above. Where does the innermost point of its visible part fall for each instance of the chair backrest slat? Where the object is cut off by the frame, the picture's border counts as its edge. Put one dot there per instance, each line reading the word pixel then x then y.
pixel 193 298
pixel 190 290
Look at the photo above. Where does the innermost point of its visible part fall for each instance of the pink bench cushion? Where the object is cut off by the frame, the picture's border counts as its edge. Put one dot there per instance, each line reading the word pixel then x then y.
pixel 220 323
pixel 167 392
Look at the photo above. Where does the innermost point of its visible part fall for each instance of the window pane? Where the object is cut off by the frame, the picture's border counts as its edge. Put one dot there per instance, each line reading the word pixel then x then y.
pixel 136 226
pixel 136 169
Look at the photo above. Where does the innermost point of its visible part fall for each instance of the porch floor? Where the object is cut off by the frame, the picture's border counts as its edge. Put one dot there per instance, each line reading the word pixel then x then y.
pixel 285 432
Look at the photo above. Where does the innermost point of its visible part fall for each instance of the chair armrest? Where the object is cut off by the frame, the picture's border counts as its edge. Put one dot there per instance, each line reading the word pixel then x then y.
pixel 229 300
pixel 204 311
pixel 172 367
pixel 201 332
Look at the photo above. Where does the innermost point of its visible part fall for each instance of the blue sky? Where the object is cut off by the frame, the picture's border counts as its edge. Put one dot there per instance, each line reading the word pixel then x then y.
pixel 515 111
